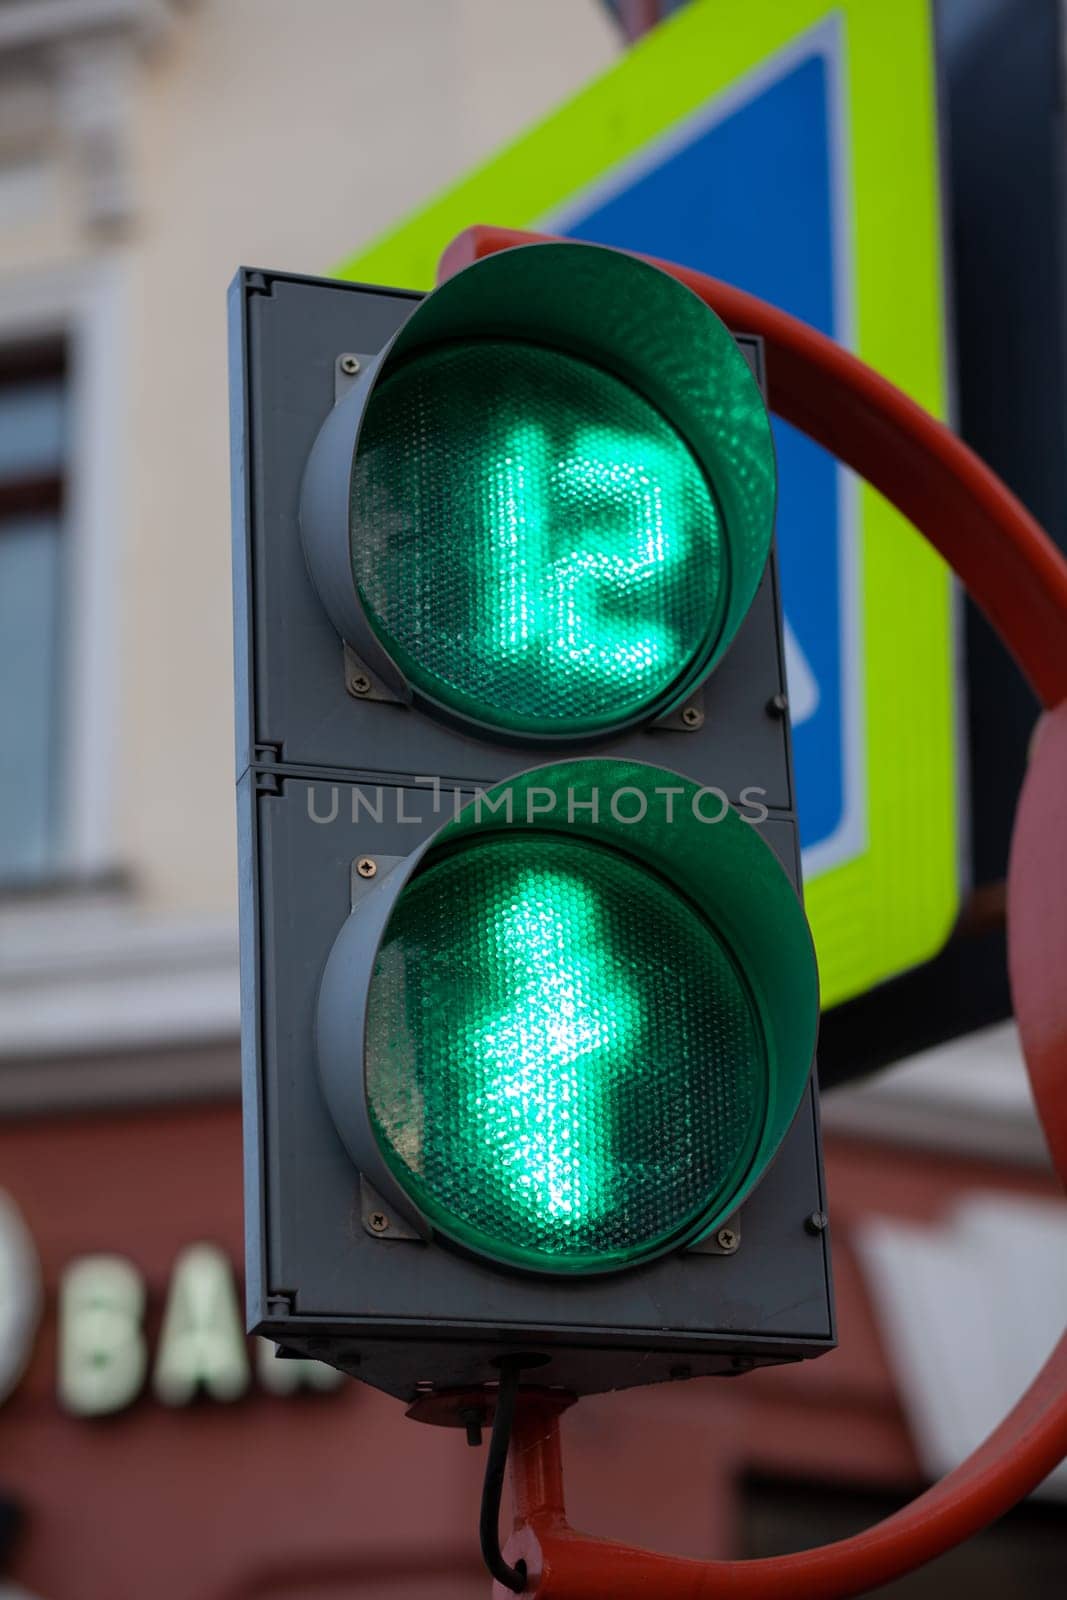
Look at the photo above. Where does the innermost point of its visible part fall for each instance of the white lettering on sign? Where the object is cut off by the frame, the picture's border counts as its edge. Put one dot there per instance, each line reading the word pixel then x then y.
pixel 102 1351
pixel 202 1342
pixel 287 1375
pixel 102 1355
pixel 20 1295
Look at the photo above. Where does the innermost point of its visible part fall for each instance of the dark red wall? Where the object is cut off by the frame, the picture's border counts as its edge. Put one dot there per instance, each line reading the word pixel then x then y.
pixel 320 1496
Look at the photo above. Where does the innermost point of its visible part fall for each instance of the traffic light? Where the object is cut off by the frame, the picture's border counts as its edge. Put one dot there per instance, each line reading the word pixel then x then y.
pixel 529 1000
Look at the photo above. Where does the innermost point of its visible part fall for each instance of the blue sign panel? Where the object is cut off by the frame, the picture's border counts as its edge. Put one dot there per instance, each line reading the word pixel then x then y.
pixel 747 192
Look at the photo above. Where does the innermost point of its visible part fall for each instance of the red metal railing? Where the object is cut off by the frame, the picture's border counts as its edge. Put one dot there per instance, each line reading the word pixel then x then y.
pixel 1017 576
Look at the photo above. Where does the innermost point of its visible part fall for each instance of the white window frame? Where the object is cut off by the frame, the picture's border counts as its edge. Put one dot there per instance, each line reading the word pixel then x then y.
pixel 85 307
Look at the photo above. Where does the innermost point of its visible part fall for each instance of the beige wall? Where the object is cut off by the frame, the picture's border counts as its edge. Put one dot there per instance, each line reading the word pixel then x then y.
pixel 276 133
pixel 285 147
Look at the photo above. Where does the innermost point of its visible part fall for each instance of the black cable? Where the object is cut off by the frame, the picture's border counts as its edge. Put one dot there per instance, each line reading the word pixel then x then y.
pixel 513 1578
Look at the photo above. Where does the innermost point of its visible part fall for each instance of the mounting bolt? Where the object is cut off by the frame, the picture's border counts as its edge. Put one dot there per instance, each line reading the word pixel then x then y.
pixel 366 866
pixel 378 1221
pixel 692 717
pixel 818 1222
pixel 349 365
pixel 778 705
pixel 360 684
pixel 726 1239
pixel 472 1418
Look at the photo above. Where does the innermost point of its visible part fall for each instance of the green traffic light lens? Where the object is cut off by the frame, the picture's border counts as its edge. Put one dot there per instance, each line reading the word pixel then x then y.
pixel 565 1069
pixel 571 1031
pixel 535 545
pixel 545 509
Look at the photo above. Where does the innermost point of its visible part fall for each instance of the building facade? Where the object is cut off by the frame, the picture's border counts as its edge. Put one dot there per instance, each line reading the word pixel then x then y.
pixel 147 148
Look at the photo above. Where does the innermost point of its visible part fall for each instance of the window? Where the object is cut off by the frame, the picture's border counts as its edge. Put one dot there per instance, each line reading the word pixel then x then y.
pixel 63 463
pixel 33 393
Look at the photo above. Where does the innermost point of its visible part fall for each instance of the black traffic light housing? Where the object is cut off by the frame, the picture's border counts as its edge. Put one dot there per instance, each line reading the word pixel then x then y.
pixel 342 778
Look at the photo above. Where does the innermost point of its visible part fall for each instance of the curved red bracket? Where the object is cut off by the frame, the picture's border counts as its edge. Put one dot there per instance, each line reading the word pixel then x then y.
pixel 1017 576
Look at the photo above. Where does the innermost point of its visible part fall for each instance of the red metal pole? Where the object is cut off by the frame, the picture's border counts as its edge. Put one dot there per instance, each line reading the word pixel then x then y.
pixel 1019 578
pixel 536 1461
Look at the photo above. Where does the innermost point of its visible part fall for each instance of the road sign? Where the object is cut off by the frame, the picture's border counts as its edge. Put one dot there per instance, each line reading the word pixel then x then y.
pixel 775 148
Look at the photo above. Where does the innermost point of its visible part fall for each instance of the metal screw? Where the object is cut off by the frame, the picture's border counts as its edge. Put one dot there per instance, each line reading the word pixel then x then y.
pixel 727 1239
pixel 349 365
pixel 366 866
pixel 692 717
pixel 778 705
pixel 378 1221
pixel 818 1222
pixel 360 684
pixel 472 1418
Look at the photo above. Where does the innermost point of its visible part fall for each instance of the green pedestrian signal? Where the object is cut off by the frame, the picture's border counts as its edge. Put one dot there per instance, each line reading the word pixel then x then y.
pixel 530 1000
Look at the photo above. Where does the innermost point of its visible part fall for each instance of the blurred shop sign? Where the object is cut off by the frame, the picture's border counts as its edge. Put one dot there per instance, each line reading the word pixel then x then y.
pixel 104 1357
pixel 969 1311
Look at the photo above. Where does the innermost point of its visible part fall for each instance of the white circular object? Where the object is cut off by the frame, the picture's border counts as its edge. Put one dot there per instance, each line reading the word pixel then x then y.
pixel 21 1295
